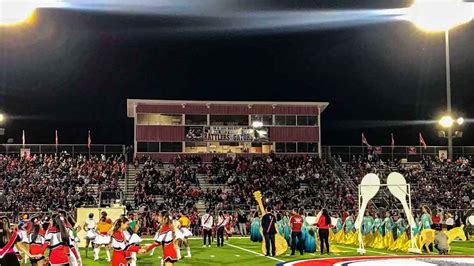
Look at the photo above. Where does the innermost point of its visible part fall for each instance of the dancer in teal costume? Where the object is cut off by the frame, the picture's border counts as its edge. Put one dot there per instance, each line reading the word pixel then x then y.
pixel 338 226
pixel 349 223
pixel 378 224
pixel 388 223
pixel 308 238
pixel 255 235
pixel 287 231
pixel 426 221
pixel 367 223
pixel 401 225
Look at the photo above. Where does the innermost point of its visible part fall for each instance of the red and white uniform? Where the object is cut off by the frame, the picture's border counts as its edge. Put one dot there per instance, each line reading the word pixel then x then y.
pixel 9 247
pixel 122 249
pixel 59 251
pixel 164 237
pixel 36 247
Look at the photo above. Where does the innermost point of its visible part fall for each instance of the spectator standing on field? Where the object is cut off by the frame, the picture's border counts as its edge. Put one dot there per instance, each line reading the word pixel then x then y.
pixel 242 219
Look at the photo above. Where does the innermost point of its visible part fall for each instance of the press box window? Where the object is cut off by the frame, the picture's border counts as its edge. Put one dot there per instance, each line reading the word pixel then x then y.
pixel 285 120
pixel 229 120
pixel 159 119
pixel 286 147
pixel 304 120
pixel 196 120
pixel 171 146
pixel 266 120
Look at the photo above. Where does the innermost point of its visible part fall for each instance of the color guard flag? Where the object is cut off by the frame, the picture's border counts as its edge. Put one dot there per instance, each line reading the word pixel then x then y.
pixel 364 140
pixel 56 139
pixel 89 140
pixel 23 138
pixel 393 140
pixel 422 141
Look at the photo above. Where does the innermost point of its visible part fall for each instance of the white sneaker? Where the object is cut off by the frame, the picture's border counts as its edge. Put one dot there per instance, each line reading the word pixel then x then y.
pixel 208 246
pixel 204 246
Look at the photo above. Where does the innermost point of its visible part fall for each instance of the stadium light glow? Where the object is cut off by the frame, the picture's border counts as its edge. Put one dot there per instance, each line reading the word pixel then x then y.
pixel 14 12
pixel 440 15
pixel 446 121
pixel 460 121
pixel 257 124
pixel 2 118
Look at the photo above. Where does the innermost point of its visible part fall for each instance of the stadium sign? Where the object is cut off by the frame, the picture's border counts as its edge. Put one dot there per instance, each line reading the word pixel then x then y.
pixel 225 133
pixel 385 261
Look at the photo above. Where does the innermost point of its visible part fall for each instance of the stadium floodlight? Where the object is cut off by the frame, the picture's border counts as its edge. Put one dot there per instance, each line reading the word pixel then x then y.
pixel 14 12
pixel 257 124
pixel 460 121
pixel 440 15
pixel 2 118
pixel 446 121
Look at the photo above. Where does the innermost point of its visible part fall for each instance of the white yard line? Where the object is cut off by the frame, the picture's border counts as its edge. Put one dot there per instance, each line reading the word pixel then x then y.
pixel 253 252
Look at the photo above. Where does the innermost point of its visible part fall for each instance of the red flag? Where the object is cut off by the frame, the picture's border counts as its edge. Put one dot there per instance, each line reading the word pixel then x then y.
pixel 364 140
pixel 56 139
pixel 393 140
pixel 422 141
pixel 89 140
pixel 411 150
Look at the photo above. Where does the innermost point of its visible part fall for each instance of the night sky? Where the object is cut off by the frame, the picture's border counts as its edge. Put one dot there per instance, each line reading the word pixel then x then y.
pixel 73 70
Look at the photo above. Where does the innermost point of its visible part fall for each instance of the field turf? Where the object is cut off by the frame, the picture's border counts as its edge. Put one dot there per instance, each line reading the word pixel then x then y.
pixel 241 252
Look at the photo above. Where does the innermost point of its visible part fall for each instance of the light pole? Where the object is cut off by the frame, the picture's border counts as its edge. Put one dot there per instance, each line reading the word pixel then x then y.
pixel 437 16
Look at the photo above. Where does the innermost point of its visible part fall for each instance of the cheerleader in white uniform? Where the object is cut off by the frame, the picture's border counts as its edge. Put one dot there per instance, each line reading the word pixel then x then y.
pixel 102 238
pixel 90 226
pixel 133 239
pixel 179 237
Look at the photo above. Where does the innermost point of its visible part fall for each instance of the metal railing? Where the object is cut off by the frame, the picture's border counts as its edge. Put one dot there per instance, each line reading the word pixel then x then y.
pixel 411 153
pixel 73 149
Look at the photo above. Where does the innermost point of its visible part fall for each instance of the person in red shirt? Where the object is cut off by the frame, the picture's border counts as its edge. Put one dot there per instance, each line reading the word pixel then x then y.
pixel 436 221
pixel 324 223
pixel 296 222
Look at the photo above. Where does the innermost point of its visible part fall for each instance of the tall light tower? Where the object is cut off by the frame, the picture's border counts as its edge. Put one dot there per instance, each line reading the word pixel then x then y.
pixel 441 16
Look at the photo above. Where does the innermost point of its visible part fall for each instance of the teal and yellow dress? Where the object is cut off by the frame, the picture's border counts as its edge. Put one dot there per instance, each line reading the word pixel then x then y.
pixel 417 228
pixel 367 224
pixel 255 235
pixel 378 226
pixel 349 224
pixel 287 230
pixel 426 221
pixel 401 226
pixel 338 226
pixel 309 237
pixel 388 235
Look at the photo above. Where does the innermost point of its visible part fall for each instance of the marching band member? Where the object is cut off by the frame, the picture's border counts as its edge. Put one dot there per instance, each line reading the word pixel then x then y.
pixel 165 237
pixel 183 226
pixel 8 240
pixel 102 238
pixel 206 222
pixel 59 242
pixel 36 239
pixel 220 225
pixel 122 248
pixel 90 226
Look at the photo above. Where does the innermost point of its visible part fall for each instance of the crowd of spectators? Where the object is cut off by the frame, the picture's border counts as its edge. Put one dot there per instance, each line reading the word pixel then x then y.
pixel 56 181
pixel 435 182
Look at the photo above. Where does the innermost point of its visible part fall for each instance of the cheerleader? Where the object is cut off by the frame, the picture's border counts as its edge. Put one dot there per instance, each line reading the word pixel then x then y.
pixel 102 239
pixel 120 244
pixel 90 226
pixel 131 235
pixel 179 236
pixel 36 239
pixel 24 226
pixel 58 241
pixel 165 237
pixel 8 240
pixel 255 234
pixel 184 228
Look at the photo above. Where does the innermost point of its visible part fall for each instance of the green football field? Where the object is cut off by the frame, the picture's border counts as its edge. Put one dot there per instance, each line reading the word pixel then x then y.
pixel 241 251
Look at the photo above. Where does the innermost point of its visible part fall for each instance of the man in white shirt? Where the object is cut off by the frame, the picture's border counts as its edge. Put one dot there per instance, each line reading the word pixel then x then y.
pixel 449 221
pixel 207 221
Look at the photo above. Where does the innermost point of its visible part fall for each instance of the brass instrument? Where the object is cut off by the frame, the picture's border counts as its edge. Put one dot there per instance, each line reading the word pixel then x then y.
pixel 280 242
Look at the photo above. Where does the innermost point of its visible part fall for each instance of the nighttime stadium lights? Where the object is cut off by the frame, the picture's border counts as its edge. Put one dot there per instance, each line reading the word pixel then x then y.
pixel 14 12
pixel 257 124
pixel 440 15
pixel 446 121
pixel 460 121
pixel 2 118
